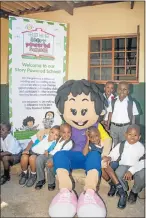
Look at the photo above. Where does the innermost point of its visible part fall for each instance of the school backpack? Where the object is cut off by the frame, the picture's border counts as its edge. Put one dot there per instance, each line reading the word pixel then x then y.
pixel 129 108
pixel 121 148
pixel 67 142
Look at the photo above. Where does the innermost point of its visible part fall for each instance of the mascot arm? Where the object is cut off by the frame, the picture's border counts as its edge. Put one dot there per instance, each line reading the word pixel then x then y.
pixel 106 140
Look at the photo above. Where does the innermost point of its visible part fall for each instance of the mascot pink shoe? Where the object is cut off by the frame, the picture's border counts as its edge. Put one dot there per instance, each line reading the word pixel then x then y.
pixel 90 205
pixel 64 204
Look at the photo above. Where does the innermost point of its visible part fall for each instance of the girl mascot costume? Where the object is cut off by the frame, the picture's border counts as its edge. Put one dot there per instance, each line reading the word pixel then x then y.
pixel 80 103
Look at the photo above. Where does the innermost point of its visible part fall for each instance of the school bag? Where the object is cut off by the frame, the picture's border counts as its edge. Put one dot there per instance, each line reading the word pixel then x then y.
pixel 129 108
pixel 121 148
pixel 67 142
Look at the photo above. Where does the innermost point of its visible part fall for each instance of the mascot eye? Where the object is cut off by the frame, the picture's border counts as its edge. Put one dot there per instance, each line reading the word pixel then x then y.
pixel 83 112
pixel 74 111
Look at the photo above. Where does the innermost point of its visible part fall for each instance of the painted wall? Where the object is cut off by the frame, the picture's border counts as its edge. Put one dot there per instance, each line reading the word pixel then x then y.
pixel 111 19
pixel 4 51
pixel 100 20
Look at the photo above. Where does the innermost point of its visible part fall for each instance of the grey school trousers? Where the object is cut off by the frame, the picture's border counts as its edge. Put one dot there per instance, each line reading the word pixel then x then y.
pixel 40 169
pixel 118 133
pixel 139 180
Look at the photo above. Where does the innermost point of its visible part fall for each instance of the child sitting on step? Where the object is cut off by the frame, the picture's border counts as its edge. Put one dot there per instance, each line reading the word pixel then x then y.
pixel 94 144
pixel 10 151
pixel 42 161
pixel 34 149
pixel 124 158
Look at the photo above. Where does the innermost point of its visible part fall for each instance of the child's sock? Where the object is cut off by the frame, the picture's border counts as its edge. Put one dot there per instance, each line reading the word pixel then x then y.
pixel 33 172
pixel 120 188
pixel 25 171
pixel 6 173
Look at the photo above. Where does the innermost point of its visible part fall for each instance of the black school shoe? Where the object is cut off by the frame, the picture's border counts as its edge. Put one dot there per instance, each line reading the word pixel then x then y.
pixel 31 180
pixel 23 178
pixel 122 201
pixel 132 197
pixel 40 184
pixel 112 191
pixel 51 187
pixel 4 179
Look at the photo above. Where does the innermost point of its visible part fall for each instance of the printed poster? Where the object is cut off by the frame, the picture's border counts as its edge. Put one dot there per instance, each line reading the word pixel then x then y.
pixel 37 67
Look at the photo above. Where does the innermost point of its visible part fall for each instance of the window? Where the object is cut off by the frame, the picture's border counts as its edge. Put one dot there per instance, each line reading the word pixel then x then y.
pixel 113 58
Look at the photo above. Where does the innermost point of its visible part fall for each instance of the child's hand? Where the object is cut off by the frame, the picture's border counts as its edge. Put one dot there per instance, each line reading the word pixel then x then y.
pixel 106 159
pixel 104 164
pixel 46 153
pixel 49 164
pixel 25 152
pixel 128 176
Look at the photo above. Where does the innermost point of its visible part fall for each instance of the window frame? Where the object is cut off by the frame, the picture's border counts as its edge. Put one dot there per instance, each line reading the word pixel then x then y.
pixel 113 52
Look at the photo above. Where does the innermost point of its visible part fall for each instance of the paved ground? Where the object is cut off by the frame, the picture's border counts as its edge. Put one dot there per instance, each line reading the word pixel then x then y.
pixel 27 202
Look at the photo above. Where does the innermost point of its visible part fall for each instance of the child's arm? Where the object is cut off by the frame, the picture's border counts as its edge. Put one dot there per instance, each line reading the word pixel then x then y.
pixel 40 134
pixel 86 148
pixel 109 120
pixel 106 140
pixel 28 147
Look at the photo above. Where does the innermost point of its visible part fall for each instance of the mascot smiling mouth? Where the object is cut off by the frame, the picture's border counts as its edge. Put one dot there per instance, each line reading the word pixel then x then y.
pixel 80 123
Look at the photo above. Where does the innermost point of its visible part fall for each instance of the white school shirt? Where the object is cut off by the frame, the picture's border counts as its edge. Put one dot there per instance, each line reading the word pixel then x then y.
pixel 137 167
pixel 131 154
pixel 109 103
pixel 59 145
pixel 120 113
pixel 42 146
pixel 10 144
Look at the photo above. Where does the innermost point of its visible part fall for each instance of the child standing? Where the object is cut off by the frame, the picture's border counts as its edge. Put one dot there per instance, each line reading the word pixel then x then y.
pixel 35 148
pixel 42 161
pixel 127 163
pixel 122 113
pixel 108 94
pixel 10 151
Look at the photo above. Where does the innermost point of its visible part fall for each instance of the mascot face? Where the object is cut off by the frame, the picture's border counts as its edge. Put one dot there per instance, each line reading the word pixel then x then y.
pixel 80 103
pixel 79 111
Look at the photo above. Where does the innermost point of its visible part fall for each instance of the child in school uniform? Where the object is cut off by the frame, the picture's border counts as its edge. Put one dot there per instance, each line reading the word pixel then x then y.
pixel 122 113
pixel 34 149
pixel 128 165
pixel 109 96
pixel 94 144
pixel 42 161
pixel 10 151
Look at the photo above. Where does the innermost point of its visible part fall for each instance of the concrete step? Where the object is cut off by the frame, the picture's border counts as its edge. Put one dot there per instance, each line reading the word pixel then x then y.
pixel 78 176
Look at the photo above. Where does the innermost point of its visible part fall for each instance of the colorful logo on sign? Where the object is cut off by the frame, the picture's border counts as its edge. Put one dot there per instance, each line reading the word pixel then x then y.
pixel 38 44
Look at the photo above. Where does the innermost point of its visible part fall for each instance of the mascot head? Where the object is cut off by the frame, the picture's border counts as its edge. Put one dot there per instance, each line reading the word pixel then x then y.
pixel 80 102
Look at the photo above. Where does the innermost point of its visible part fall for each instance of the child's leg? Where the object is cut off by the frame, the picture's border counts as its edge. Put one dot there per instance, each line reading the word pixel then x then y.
pixel 7 162
pixel 110 172
pixel 114 133
pixel 33 176
pixel 24 162
pixel 139 184
pixel 32 163
pixel 105 176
